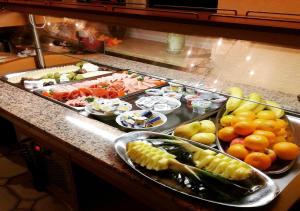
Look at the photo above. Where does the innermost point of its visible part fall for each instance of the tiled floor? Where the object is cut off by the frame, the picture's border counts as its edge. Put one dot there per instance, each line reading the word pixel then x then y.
pixel 16 190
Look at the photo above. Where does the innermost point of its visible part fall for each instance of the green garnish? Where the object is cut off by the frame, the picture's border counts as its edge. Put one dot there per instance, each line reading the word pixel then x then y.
pixel 89 99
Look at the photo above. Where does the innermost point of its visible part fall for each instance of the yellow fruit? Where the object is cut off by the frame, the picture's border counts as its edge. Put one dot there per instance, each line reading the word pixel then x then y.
pixel 265 114
pixel 249 105
pixel 268 134
pixel 281 124
pixel 247 114
pixel 237 119
pixel 244 128
pixel 256 142
pixel 235 101
pixel 259 107
pixel 286 150
pixel 207 126
pixel 276 108
pixel 204 138
pixel 226 120
pixel 188 130
pixel 265 124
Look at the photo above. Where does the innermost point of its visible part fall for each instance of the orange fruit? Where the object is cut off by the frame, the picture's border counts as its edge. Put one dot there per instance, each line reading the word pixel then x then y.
pixel 264 124
pixel 258 160
pixel 281 124
pixel 281 132
pixel 244 127
pixel 226 120
pixel 266 114
pixel 237 141
pixel 237 119
pixel 256 142
pixel 238 151
pixel 227 134
pixel 286 150
pixel 268 134
pixel 271 154
pixel 246 114
pixel 279 139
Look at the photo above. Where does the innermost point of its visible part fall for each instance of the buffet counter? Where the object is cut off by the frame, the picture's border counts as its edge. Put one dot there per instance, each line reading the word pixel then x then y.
pixel 89 142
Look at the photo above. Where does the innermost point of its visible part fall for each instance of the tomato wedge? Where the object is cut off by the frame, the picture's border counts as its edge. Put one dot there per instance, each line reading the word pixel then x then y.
pixel 74 94
pixel 85 91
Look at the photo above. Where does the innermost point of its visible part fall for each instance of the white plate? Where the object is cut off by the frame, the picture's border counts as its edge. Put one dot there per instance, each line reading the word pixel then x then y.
pixel 130 113
pixel 89 109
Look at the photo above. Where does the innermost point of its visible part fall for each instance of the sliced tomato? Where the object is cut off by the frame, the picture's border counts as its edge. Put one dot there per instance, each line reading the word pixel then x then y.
pixel 85 91
pixel 98 92
pixel 112 94
pixel 74 94
pixel 121 93
pixel 60 95
pixel 159 82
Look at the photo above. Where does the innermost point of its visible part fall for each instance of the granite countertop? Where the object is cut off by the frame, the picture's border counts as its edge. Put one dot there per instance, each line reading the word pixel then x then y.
pixel 91 137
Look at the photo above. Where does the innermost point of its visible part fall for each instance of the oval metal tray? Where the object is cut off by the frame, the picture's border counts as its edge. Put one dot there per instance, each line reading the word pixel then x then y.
pixel 264 195
pixel 278 167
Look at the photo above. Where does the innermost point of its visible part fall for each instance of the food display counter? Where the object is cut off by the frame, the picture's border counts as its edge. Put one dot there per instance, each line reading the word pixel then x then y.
pixel 171 134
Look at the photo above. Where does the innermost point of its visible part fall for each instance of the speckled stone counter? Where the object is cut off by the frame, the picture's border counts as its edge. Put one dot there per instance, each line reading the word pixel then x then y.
pixel 78 136
pixel 90 142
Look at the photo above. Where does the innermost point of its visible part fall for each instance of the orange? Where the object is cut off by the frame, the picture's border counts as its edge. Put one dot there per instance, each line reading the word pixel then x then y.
pixel 256 142
pixel 246 114
pixel 264 124
pixel 239 119
pixel 265 114
pixel 258 160
pixel 237 141
pixel 268 134
pixel 244 127
pixel 271 154
pixel 238 151
pixel 279 139
pixel 227 134
pixel 281 124
pixel 286 150
pixel 281 132
pixel 226 120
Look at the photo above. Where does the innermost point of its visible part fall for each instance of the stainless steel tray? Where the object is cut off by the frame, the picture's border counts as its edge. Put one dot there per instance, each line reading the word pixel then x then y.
pixel 260 197
pixel 278 167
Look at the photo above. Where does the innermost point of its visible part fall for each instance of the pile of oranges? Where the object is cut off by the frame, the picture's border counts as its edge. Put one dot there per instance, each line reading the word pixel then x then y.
pixel 258 139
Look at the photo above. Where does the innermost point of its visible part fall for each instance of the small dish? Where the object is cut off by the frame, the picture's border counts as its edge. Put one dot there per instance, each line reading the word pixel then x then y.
pixel 137 119
pixel 161 104
pixel 107 107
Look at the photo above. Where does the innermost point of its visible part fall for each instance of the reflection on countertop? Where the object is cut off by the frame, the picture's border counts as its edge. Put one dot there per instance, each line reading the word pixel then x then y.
pixel 251 63
pixel 208 78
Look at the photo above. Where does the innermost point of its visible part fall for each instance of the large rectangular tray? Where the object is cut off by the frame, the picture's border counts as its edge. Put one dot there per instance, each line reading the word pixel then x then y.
pixel 180 116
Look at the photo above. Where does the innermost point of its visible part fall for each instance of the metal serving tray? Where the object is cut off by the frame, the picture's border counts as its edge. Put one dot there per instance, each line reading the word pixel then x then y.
pixel 260 197
pixel 279 166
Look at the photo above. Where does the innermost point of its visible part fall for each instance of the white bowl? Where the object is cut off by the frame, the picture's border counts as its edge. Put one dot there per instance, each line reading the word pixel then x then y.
pixel 177 102
pixel 120 117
